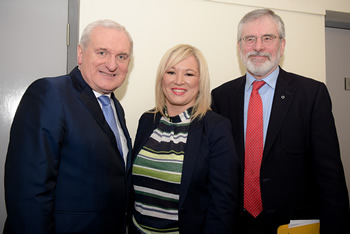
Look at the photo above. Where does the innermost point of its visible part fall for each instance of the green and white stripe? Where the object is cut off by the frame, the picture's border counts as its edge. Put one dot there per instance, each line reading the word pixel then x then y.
pixel 157 176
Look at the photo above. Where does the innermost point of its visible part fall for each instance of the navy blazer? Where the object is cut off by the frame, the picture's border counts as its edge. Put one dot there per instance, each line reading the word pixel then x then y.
pixel 63 171
pixel 301 173
pixel 209 183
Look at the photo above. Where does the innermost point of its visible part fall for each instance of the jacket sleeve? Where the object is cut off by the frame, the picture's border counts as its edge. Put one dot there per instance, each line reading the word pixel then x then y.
pixel 328 169
pixel 32 161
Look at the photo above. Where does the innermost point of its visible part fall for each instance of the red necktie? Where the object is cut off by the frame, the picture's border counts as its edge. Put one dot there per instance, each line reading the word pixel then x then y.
pixel 254 147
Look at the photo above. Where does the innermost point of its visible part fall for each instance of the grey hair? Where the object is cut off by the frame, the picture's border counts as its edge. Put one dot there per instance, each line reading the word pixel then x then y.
pixel 256 14
pixel 106 23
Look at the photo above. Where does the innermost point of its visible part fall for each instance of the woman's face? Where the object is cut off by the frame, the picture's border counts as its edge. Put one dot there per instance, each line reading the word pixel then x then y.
pixel 181 85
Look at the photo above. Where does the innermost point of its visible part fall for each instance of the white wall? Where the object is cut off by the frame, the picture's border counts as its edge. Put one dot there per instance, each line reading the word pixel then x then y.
pixel 336 5
pixel 157 25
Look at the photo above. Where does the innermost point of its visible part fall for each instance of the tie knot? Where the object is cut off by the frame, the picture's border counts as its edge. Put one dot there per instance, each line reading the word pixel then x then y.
pixel 104 100
pixel 257 85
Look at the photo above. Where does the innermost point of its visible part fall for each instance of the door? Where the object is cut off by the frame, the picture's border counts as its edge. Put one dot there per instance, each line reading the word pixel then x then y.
pixel 337 68
pixel 33 45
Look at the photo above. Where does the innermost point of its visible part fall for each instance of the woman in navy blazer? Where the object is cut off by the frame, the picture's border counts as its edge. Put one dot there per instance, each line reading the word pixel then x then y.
pixel 203 189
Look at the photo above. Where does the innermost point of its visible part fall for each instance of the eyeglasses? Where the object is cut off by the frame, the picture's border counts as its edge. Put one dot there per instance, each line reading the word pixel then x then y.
pixel 251 40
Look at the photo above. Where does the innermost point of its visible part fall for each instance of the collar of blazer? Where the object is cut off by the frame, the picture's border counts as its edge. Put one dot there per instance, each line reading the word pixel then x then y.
pixel 149 122
pixel 89 99
pixel 284 94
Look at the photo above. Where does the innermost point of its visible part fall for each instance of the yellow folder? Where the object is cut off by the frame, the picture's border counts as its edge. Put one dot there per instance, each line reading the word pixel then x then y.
pixel 313 228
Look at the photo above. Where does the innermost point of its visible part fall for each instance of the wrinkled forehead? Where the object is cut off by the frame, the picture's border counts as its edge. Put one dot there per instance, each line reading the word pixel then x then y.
pixel 111 39
pixel 261 26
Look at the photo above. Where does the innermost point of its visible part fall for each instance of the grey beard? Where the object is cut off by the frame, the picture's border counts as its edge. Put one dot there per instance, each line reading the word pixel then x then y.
pixel 261 69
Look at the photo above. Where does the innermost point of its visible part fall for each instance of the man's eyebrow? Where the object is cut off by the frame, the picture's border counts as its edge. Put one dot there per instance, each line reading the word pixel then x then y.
pixel 123 54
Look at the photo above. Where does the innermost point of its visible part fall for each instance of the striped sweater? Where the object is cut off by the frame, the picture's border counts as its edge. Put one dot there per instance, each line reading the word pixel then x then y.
pixel 157 173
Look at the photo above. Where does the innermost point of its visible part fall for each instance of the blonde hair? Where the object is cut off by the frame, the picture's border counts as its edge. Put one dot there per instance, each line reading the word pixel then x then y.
pixel 172 57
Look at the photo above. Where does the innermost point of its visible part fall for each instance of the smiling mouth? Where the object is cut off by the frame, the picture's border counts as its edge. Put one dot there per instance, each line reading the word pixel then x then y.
pixel 107 74
pixel 258 56
pixel 178 91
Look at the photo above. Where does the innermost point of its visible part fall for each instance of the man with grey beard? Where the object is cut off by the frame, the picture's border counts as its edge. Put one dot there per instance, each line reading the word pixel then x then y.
pixel 285 136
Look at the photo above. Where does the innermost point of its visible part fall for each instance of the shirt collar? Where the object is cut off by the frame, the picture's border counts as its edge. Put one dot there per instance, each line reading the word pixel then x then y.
pixel 97 94
pixel 270 80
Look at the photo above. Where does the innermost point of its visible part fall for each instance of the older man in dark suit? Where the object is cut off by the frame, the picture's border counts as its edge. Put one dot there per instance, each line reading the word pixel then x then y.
pixel 285 136
pixel 67 163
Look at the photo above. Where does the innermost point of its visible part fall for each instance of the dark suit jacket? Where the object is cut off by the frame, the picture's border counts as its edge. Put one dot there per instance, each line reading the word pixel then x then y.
pixel 301 173
pixel 209 184
pixel 63 171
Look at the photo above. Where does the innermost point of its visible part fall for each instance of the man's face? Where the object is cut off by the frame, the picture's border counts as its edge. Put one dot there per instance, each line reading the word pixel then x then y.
pixel 104 62
pixel 260 58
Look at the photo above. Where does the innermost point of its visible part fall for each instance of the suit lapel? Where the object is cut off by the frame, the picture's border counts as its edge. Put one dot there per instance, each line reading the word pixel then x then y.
pixel 144 131
pixel 191 154
pixel 89 99
pixel 282 100
pixel 121 118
